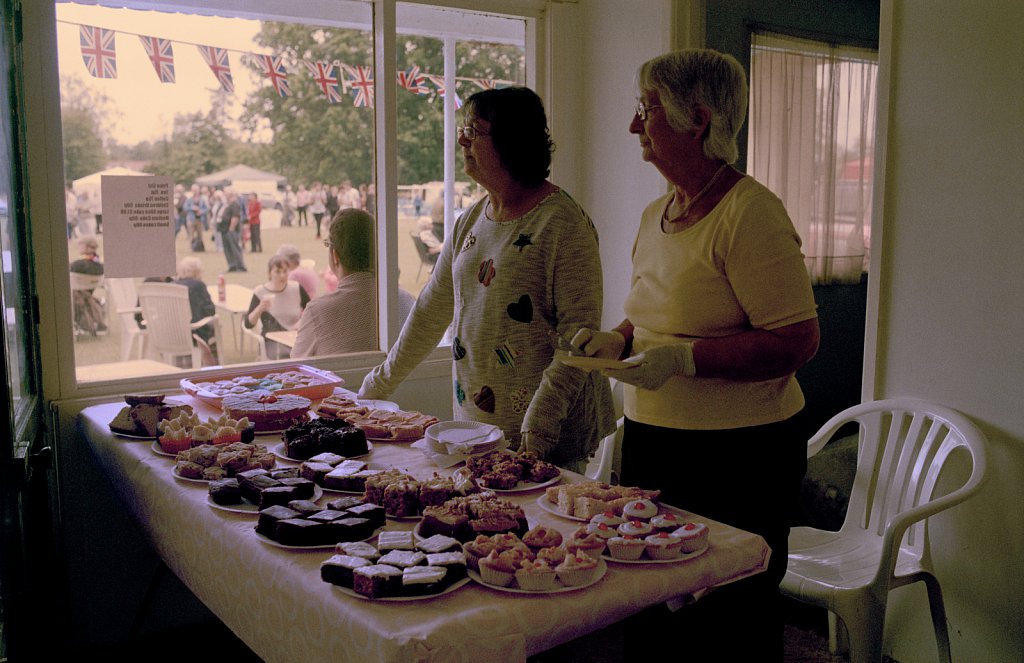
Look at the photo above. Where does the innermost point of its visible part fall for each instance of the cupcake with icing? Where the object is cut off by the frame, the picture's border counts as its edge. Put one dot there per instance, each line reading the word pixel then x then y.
pixel 693 535
pixel 609 518
pixel 577 569
pixel 500 568
pixel 477 549
pixel 602 530
pixel 585 542
pixel 508 541
pixel 663 546
pixel 636 528
pixel 640 510
pixel 626 547
pixel 666 522
pixel 551 556
pixel 542 537
pixel 535 576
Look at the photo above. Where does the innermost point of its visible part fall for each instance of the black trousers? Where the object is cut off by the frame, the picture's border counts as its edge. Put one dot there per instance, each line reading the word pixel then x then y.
pixel 745 477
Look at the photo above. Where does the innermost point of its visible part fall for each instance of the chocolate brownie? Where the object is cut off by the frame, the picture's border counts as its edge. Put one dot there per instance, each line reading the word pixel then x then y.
pixel 339 569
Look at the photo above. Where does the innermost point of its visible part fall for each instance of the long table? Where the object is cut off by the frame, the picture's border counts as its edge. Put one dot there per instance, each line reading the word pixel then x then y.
pixel 274 600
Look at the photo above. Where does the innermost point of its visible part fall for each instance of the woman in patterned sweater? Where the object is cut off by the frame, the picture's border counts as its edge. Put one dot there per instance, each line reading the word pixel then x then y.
pixel 521 267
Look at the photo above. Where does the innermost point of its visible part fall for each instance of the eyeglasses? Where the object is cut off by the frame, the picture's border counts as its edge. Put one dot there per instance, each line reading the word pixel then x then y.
pixel 470 132
pixel 328 244
pixel 642 109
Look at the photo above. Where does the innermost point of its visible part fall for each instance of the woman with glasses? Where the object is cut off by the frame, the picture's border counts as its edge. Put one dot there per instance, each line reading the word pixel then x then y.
pixel 521 267
pixel 719 317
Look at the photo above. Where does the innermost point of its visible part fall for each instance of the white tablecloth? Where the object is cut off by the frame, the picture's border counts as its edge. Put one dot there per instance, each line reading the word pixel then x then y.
pixel 275 601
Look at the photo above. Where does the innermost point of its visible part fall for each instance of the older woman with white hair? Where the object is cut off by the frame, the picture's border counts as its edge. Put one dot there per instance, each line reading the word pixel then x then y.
pixel 190 275
pixel 719 316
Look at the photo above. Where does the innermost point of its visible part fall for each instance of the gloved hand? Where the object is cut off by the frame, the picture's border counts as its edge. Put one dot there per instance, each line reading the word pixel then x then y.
pixel 595 343
pixel 369 389
pixel 653 368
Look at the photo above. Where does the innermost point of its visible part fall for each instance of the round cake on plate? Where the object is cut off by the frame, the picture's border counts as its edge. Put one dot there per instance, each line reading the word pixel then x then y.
pixel 267 411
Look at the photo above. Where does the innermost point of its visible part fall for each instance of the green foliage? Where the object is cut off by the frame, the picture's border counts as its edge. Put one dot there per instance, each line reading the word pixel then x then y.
pixel 198 146
pixel 82 115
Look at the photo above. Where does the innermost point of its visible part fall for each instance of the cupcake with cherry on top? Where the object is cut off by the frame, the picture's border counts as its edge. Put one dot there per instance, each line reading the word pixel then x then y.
pixel 663 546
pixel 626 547
pixel 694 537
pixel 585 542
pixel 666 522
pixel 636 528
pixel 640 510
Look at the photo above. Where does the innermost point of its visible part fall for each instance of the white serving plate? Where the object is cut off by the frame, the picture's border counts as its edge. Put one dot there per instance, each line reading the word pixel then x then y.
pixel 602 569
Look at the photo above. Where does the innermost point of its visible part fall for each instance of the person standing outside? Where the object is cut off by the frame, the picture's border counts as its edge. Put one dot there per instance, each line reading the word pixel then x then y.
pixel 318 205
pixel 287 206
pixel 302 199
pixel 719 316
pixel 254 210
pixel 230 231
pixel 196 210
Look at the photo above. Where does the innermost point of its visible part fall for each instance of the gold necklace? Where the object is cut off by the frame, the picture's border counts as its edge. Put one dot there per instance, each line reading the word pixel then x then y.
pixel 692 201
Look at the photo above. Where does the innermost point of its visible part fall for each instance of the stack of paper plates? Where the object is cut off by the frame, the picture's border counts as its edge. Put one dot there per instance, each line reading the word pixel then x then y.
pixel 463 438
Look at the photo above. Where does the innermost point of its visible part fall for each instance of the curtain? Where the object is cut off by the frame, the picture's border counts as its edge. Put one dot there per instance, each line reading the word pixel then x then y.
pixel 811 141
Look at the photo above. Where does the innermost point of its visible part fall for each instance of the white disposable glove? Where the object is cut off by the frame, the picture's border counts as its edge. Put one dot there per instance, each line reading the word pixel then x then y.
pixel 653 368
pixel 604 344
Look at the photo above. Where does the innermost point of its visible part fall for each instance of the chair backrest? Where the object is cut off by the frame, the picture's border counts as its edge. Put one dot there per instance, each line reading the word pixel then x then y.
pixel 168 315
pixel 904 444
pixel 122 293
pixel 423 250
pixel 256 333
pixel 81 281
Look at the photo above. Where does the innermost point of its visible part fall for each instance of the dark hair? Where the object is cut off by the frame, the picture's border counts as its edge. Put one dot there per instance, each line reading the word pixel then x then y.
pixel 277 260
pixel 352 233
pixel 519 131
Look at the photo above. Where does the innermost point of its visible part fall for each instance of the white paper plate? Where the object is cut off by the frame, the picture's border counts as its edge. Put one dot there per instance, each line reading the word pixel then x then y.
pixel 526 486
pixel 159 451
pixel 375 404
pixel 132 437
pixel 463 437
pixel 448 590
pixel 602 569
pixel 646 560
pixel 591 363
pixel 250 508
pixel 543 503
pixel 278 450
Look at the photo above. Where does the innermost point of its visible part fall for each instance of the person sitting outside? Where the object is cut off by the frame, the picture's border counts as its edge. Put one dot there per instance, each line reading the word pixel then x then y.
pixel 276 305
pixel 90 313
pixel 305 277
pixel 429 239
pixel 190 275
pixel 343 321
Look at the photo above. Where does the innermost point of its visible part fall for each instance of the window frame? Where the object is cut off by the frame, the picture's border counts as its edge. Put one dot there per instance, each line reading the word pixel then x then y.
pixel 46 182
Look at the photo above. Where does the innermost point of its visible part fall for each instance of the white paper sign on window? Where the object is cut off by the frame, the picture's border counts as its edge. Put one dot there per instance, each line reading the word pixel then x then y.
pixel 138 225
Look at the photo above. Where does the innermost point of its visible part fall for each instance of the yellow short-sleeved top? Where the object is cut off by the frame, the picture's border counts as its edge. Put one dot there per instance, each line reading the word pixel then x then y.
pixel 739 268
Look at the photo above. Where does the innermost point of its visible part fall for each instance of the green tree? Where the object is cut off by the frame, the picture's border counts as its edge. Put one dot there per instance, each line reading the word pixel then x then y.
pixel 198 145
pixel 83 116
pixel 314 140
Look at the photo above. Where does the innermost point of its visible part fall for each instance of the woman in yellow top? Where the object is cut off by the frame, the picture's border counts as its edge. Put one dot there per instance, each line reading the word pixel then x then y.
pixel 720 315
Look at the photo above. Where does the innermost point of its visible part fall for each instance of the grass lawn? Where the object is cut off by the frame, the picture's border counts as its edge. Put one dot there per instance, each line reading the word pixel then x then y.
pixel 90 350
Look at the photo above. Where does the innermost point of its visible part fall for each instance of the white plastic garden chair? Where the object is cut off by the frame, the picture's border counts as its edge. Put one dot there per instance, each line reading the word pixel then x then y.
pixel 883 543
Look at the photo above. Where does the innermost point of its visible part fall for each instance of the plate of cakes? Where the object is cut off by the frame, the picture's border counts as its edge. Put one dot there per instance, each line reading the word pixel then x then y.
pixel 187 430
pixel 306 439
pixel 582 501
pixel 541 562
pixel 299 379
pixel 140 418
pixel 643 534
pixel 280 450
pixel 209 462
pixel 381 421
pixel 307 525
pixel 243 505
pixel 511 472
pixel 397 568
pixel 337 474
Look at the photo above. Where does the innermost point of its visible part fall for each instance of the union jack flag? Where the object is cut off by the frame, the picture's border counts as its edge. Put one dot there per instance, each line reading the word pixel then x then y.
pixel 217 59
pixel 328 82
pixel 98 51
pixel 413 81
pixel 161 54
pixel 485 83
pixel 439 84
pixel 273 68
pixel 362 82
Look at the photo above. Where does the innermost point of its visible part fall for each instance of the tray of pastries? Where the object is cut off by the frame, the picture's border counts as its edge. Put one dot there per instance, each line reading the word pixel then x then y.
pixel 299 379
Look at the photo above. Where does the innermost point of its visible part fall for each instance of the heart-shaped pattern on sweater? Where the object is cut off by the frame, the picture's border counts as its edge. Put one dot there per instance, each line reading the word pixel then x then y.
pixel 521 311
pixel 484 399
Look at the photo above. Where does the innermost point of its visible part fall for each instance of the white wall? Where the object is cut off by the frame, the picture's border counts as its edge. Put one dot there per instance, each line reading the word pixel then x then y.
pixel 951 277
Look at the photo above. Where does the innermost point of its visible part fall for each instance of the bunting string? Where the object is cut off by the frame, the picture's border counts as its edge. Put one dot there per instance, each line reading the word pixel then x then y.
pixel 336 80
